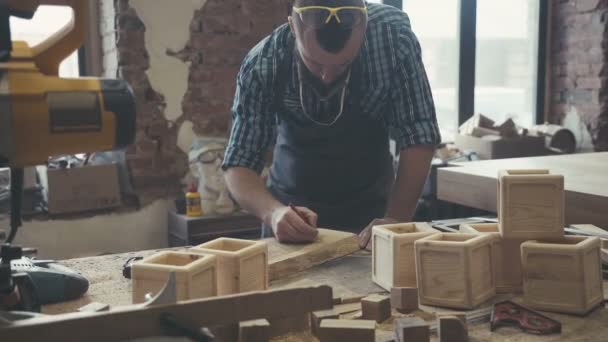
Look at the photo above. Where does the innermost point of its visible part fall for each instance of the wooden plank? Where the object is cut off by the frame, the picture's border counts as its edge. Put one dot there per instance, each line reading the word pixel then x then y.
pixel 474 184
pixel 136 321
pixel 287 259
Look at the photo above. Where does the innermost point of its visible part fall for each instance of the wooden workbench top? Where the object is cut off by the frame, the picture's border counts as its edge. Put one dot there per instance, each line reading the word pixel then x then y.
pixel 348 276
pixel 474 184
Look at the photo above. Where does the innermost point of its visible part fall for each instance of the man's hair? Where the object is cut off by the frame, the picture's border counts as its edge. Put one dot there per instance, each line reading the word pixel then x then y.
pixel 332 37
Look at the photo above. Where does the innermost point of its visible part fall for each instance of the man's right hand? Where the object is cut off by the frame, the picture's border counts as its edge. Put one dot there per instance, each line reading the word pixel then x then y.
pixel 291 226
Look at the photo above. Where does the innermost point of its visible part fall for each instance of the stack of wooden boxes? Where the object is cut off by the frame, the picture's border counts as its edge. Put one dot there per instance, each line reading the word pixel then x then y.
pixel 525 252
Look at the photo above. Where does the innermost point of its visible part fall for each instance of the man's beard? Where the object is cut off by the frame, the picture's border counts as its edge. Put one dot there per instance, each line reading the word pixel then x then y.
pixel 333 37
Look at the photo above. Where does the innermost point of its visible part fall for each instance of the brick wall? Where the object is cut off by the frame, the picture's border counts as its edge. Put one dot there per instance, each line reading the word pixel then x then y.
pixel 220 34
pixel 579 78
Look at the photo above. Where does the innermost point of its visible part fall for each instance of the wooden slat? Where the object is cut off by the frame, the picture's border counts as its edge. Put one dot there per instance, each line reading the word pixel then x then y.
pixel 288 259
pixel 136 321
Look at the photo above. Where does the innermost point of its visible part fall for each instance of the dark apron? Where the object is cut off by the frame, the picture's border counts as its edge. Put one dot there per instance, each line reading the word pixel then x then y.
pixel 343 172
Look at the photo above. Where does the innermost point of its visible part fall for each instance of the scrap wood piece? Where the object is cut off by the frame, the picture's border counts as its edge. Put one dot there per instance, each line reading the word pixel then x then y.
pixel 411 329
pixel 137 321
pixel 254 331
pixel 452 328
pixel 288 259
pixel 332 330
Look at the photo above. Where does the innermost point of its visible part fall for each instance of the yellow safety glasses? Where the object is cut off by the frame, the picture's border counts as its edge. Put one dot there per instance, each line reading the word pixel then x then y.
pixel 318 16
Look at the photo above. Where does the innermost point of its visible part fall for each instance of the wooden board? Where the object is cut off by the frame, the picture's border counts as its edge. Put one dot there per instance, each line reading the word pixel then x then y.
pixel 288 259
pixel 474 184
pixel 135 321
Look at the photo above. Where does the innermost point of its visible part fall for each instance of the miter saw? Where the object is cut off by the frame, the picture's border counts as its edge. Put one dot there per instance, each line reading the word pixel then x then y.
pixel 42 115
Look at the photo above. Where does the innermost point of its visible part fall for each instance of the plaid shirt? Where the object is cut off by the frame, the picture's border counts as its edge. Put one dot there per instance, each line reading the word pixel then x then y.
pixel 388 75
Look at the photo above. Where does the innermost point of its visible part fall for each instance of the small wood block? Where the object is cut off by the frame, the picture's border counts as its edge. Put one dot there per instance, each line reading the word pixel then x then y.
pixel 376 307
pixel 563 275
pixel 337 299
pixel 393 257
pixel 411 329
pixel 531 204
pixel 317 316
pixel 404 299
pixel 94 307
pixel 455 269
pixel 452 329
pixel 254 331
pixel 506 255
pixel 195 275
pixel 242 264
pixel 342 330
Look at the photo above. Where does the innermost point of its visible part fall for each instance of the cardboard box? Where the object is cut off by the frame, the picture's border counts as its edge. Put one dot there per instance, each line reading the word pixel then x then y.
pixel 82 189
pixel 495 147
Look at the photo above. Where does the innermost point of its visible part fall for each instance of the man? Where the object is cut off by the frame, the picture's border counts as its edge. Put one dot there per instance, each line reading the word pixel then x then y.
pixel 328 90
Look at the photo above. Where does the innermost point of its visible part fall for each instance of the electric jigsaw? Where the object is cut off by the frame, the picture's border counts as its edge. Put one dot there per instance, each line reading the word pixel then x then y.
pixel 43 115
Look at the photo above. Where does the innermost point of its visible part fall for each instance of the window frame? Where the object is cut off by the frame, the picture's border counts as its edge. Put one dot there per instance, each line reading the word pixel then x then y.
pixel 467 36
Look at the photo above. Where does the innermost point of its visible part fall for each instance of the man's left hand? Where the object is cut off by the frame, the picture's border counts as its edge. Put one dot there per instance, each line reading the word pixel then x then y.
pixel 366 234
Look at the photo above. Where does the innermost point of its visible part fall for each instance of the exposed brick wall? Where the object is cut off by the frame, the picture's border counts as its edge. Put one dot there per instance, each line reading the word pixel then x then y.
pixel 579 77
pixel 221 33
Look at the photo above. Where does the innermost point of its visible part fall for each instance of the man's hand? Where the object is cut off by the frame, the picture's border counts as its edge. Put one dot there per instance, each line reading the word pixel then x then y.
pixel 299 225
pixel 366 234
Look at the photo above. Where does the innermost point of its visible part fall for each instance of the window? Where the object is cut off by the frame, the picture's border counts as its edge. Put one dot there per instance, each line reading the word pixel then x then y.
pixel 503 79
pixel 46 21
pixel 506 60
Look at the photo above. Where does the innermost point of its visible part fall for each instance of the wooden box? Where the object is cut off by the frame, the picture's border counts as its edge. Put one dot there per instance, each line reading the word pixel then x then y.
pixel 195 275
pixel 393 258
pixel 455 270
pixel 242 264
pixel 531 204
pixel 506 257
pixel 563 275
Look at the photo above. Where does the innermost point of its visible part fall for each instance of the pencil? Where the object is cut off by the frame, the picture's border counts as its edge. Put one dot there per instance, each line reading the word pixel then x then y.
pixel 299 213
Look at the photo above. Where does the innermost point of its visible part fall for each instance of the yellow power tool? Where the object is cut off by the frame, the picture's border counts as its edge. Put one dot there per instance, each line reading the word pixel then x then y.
pixel 42 114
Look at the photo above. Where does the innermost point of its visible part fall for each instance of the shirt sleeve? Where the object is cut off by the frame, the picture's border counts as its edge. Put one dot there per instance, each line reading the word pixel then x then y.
pixel 412 120
pixel 253 120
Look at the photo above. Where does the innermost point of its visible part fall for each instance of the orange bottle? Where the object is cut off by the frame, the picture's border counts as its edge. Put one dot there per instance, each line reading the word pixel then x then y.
pixel 193 202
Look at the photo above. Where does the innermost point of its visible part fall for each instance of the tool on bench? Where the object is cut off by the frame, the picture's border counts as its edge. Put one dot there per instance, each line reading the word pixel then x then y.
pixel 26 283
pixel 52 282
pixel 508 313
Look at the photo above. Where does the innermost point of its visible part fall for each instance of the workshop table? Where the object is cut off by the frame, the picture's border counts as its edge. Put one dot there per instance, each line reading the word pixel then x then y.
pixel 349 276
pixel 474 184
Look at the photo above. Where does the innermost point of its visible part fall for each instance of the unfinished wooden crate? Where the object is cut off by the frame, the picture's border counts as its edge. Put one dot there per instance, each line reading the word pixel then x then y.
pixel 195 275
pixel 506 254
pixel 530 204
pixel 393 257
pixel 242 264
pixel 455 270
pixel 563 275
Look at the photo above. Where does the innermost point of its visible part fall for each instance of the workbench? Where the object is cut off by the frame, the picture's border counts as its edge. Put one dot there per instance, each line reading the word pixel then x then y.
pixel 474 184
pixel 350 275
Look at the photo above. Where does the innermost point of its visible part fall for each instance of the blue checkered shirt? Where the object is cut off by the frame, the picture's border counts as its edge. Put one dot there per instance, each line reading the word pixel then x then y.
pixel 391 79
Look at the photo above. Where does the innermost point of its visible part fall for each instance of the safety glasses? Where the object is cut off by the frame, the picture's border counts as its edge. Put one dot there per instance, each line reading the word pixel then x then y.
pixel 318 16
